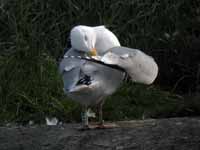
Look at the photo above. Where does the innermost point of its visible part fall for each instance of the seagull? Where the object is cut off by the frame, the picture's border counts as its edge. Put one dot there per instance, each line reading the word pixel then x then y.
pixel 96 65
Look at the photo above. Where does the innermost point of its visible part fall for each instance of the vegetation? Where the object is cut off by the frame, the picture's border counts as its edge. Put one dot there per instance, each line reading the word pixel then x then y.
pixel 33 35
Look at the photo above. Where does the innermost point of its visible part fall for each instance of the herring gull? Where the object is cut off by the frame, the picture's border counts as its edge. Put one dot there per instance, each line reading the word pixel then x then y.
pixel 95 66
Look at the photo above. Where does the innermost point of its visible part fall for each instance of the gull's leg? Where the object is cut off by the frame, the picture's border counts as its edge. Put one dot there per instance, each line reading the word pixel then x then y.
pixel 100 112
pixel 101 124
pixel 84 118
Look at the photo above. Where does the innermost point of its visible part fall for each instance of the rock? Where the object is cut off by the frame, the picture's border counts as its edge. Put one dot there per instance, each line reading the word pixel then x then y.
pixel 161 134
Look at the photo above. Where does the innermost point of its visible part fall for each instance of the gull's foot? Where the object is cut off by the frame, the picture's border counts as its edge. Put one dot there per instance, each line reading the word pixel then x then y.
pixel 97 126
pixel 106 126
pixel 84 127
pixel 102 125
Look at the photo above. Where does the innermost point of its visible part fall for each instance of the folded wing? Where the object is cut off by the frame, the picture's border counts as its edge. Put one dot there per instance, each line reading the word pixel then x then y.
pixel 141 67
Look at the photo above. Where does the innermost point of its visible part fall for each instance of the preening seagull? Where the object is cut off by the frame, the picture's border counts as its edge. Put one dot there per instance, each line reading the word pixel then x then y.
pixel 95 66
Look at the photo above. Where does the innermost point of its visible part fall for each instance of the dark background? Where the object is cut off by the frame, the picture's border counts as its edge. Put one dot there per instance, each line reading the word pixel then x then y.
pixel 33 35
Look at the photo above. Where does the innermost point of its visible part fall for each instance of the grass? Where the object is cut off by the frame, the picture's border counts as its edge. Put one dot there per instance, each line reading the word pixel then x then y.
pixel 34 34
pixel 135 101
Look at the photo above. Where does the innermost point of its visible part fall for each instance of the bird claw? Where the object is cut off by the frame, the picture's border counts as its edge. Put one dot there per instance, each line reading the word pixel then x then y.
pixel 97 126
pixel 106 126
pixel 83 128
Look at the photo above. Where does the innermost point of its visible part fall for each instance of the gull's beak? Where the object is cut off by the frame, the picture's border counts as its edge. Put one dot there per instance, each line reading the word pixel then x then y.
pixel 93 52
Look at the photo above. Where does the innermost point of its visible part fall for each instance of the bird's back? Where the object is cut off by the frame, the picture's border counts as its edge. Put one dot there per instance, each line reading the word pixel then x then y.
pixel 88 82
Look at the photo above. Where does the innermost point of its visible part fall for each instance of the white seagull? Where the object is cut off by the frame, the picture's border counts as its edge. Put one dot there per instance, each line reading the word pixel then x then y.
pixel 95 66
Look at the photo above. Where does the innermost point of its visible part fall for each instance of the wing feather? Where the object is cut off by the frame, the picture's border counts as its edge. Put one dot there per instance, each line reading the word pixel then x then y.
pixel 141 67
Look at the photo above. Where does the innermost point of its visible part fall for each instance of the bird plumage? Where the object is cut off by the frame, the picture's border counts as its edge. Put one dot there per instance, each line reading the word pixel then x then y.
pixel 89 80
pixel 76 70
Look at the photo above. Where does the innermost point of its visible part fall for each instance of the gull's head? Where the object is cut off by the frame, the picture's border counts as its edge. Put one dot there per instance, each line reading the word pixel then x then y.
pixel 83 38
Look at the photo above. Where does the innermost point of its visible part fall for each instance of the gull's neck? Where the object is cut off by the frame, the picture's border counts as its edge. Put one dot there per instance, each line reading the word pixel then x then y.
pixel 105 40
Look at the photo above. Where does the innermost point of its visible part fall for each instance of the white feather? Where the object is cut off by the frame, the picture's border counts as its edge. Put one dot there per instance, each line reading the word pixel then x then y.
pixel 51 121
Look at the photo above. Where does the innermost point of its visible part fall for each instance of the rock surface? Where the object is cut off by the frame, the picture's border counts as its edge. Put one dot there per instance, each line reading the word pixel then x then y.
pixel 162 134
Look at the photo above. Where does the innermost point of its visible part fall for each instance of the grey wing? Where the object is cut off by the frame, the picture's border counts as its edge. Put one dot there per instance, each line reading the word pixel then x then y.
pixel 70 78
pixel 108 78
pixel 70 69
pixel 67 64
pixel 141 67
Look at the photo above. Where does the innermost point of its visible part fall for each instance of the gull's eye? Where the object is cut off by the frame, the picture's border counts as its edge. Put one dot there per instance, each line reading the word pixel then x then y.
pixel 86 38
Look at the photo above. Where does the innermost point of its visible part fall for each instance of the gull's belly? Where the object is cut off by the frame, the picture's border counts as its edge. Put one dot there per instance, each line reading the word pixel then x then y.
pixel 88 96
pixel 93 94
pixel 95 82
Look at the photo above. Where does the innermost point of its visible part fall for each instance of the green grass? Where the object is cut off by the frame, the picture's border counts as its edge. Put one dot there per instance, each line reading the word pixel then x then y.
pixel 134 101
pixel 33 35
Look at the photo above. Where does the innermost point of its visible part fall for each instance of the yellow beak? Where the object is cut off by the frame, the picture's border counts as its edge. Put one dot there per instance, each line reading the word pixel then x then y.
pixel 93 52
